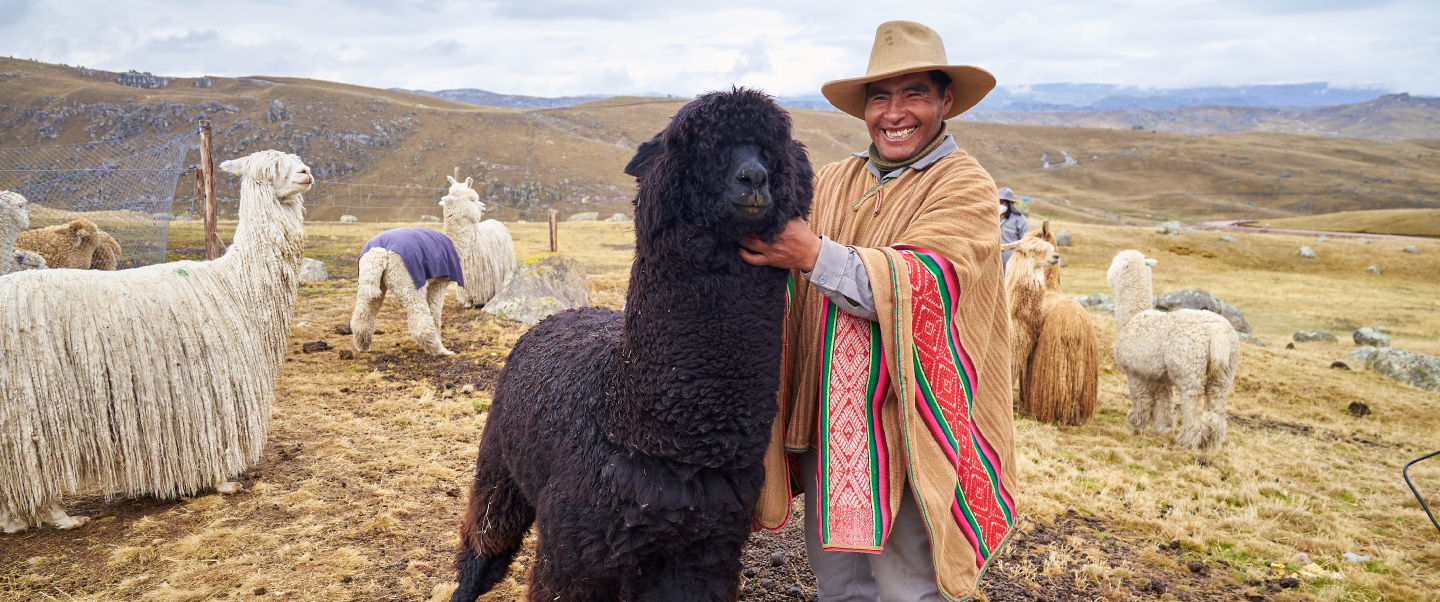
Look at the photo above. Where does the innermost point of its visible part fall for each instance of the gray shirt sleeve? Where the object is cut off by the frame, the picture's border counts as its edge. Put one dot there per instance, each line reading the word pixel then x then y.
pixel 840 276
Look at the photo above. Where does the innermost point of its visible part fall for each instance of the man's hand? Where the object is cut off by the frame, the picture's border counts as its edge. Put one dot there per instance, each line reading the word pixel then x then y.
pixel 795 247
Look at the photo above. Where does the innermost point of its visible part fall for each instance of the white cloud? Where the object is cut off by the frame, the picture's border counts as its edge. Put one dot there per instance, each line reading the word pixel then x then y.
pixel 564 47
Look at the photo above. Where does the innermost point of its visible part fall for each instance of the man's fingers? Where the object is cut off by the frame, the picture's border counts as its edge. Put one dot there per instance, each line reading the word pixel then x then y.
pixel 753 258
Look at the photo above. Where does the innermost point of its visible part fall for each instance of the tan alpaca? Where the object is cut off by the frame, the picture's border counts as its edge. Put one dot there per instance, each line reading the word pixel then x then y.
pixel 1025 285
pixel 1064 370
pixel 69 245
pixel 487 253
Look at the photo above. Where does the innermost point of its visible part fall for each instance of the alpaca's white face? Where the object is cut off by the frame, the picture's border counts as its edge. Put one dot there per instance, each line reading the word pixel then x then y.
pixel 285 172
pixel 22 211
pixel 295 180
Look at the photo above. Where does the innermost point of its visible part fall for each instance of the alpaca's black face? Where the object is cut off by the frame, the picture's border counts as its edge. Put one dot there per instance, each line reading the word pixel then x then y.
pixel 746 197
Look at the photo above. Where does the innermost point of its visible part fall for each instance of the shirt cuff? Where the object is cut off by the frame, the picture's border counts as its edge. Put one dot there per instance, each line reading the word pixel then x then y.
pixel 840 276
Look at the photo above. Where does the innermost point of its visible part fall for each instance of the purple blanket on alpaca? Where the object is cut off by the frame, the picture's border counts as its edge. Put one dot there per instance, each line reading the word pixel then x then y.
pixel 427 254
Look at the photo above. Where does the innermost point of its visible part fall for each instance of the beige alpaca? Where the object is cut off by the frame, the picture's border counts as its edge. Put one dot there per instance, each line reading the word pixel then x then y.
pixel 1062 381
pixel 14 219
pixel 1194 351
pixel 157 380
pixel 487 253
pixel 71 245
pixel 1025 285
pixel 381 271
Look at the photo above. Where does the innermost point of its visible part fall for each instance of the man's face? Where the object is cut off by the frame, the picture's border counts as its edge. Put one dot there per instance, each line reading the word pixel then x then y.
pixel 904 113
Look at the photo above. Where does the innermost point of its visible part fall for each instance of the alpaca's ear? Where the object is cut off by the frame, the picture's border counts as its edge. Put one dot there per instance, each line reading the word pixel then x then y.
pixel 443 199
pixel 1010 246
pixel 640 163
pixel 452 180
pixel 1149 261
pixel 234 166
pixel 469 182
pixel 1045 229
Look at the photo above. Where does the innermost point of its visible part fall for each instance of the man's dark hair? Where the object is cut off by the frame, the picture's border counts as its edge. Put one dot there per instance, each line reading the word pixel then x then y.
pixel 940 79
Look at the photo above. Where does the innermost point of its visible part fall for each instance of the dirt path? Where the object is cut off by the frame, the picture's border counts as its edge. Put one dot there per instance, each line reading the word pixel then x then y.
pixel 1233 226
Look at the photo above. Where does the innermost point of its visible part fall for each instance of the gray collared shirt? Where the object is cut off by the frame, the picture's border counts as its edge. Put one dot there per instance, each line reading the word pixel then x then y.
pixel 839 274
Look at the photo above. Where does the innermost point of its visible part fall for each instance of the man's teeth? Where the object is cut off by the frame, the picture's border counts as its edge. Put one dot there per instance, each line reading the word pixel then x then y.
pixel 897 134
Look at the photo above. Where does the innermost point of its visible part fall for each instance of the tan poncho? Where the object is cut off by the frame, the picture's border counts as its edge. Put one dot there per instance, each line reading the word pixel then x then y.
pixel 923 395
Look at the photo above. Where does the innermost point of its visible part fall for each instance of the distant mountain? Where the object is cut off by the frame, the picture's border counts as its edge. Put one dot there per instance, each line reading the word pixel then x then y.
pixel 486 98
pixel 1394 116
pixel 1104 97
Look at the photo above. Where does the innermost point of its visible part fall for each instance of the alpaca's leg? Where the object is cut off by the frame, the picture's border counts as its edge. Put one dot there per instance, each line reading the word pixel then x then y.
pixel 229 487
pixel 1142 406
pixel 51 513
pixel 435 294
pixel 417 311
pixel 562 573
pixel 369 296
pixel 10 523
pixel 1163 407
pixel 496 520
pixel 708 574
pixel 1217 389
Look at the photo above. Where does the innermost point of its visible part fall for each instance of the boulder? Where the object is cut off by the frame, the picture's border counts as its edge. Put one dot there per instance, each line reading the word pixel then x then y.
pixel 1368 241
pixel 1314 335
pixel 583 217
pixel 430 219
pixel 1415 368
pixel 1321 238
pixel 1095 299
pixel 162 217
pixel 1373 270
pixel 540 286
pixel 349 219
pixel 312 270
pixel 1062 238
pixel 1370 336
pixel 619 217
pixel 1253 340
pixel 1198 299
pixel 1307 252
pixel 1411 249
pixel 1171 228
pixel 1361 354
pixel 1227 238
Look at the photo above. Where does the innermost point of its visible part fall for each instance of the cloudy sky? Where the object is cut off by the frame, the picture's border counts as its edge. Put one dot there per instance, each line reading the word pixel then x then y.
pixel 787 47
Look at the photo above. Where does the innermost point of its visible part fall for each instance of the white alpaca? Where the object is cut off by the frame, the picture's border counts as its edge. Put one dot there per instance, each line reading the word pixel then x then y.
pixel 14 219
pixel 155 380
pixel 487 253
pixel 383 269
pixel 1194 351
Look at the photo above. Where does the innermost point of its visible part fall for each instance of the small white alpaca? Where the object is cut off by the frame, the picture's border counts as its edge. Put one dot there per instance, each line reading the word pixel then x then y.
pixel 157 380
pixel 1194 351
pixel 14 219
pixel 416 264
pixel 487 253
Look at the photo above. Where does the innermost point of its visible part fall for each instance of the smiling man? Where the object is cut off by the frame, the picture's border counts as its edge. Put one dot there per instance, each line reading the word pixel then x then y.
pixel 896 398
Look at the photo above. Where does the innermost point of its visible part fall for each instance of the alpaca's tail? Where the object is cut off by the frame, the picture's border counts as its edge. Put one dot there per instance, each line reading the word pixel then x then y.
pixel 494 527
pixel 1222 342
pixel 1062 382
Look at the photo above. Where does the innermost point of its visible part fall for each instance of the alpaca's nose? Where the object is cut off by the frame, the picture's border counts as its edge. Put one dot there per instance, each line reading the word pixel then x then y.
pixel 752 176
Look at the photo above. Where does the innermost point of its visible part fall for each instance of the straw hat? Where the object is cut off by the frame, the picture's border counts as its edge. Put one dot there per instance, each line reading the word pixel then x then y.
pixel 906 47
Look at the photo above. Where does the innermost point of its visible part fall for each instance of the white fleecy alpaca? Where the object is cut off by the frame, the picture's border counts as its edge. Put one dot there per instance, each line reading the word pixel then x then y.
pixel 1194 351
pixel 155 380
pixel 381 271
pixel 487 253
pixel 14 219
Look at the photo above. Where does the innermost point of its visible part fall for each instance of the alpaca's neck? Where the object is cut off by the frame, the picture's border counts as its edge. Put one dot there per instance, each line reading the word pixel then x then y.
pixel 1025 282
pixel 10 228
pixel 262 264
pixel 700 359
pixel 1134 295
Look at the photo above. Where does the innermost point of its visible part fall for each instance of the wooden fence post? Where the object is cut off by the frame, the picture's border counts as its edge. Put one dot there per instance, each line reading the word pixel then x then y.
pixel 207 166
pixel 554 235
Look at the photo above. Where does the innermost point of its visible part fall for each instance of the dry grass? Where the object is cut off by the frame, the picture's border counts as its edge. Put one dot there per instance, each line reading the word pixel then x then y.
pixel 358 494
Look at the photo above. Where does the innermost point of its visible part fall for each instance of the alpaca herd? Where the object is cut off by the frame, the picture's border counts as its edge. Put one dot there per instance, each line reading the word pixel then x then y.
pixel 631 440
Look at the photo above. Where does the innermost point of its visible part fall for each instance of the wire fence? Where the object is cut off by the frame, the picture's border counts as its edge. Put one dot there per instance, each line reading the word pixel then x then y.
pixel 125 187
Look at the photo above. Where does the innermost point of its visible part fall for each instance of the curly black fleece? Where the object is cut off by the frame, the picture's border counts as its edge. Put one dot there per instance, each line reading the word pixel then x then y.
pixel 635 441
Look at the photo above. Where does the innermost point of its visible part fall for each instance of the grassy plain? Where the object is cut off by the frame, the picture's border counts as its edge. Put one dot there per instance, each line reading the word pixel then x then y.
pixel 358 493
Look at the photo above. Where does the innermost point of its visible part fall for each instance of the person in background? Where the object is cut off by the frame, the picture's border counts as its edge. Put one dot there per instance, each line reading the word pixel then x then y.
pixel 1013 225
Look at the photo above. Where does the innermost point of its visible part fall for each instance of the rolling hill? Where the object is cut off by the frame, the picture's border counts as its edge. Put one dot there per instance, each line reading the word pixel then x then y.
pixel 359 139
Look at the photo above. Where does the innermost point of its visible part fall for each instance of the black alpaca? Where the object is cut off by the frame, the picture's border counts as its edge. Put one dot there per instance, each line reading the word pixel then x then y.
pixel 635 441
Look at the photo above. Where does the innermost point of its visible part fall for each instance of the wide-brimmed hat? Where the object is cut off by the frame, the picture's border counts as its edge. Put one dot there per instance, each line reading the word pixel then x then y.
pixel 906 47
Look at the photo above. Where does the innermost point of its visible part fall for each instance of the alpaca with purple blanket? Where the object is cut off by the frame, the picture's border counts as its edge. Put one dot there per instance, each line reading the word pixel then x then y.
pixel 416 264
